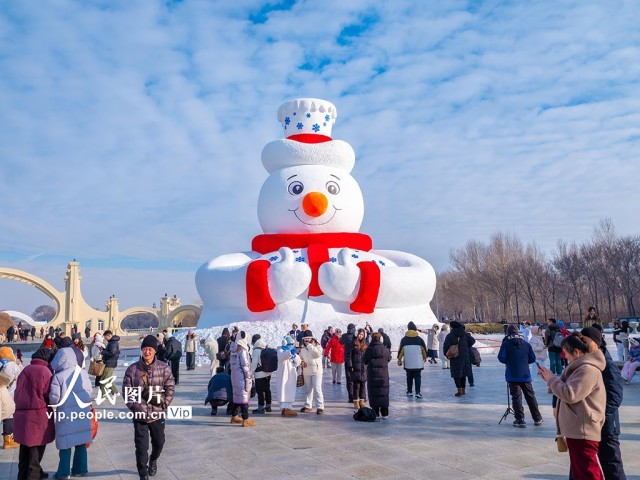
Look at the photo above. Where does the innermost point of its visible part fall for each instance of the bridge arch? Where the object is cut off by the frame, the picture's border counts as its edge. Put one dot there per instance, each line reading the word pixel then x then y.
pixel 25 318
pixel 184 308
pixel 38 283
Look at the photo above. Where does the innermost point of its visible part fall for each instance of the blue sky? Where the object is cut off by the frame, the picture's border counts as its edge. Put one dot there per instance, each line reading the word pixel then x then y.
pixel 131 132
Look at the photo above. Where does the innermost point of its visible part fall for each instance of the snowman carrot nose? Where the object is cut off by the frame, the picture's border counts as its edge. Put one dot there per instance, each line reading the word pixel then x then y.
pixel 314 204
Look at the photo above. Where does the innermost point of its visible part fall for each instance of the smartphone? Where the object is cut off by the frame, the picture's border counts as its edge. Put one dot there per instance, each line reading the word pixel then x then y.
pixel 538 364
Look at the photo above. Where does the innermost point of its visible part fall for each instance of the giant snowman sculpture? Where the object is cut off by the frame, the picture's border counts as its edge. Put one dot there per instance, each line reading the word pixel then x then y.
pixel 311 264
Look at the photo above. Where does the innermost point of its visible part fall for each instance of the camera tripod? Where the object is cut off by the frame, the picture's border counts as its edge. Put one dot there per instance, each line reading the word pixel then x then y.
pixel 509 410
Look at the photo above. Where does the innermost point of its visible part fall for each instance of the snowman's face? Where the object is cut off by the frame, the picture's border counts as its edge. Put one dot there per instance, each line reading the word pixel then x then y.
pixel 310 199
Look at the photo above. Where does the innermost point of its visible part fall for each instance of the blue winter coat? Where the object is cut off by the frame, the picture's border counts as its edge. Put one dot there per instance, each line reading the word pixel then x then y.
pixel 77 431
pixel 517 355
pixel 219 388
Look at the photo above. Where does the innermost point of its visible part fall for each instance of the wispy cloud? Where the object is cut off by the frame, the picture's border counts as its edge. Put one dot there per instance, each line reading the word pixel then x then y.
pixel 133 130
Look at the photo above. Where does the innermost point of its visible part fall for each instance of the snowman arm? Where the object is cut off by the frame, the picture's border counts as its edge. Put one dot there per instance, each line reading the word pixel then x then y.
pixel 221 282
pixel 412 281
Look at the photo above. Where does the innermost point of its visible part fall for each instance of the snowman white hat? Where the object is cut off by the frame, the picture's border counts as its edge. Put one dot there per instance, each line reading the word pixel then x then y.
pixel 307 124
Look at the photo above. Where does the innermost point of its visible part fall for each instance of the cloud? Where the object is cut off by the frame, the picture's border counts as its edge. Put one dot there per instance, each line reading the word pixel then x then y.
pixel 133 130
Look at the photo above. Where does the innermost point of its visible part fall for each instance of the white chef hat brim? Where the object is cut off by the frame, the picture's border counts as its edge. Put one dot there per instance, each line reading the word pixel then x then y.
pixel 288 153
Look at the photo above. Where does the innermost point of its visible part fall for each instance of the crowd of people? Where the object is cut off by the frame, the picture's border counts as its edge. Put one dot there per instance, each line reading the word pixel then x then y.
pixel 585 384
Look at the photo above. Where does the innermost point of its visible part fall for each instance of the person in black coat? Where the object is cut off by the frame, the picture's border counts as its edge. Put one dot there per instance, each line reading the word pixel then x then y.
pixel 347 340
pixel 172 355
pixel 359 370
pixel 386 341
pixel 223 340
pixel 377 357
pixel 609 447
pixel 110 355
pixel 460 366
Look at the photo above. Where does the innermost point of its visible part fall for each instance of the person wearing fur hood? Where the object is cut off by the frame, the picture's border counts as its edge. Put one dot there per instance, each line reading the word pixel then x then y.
pixel 241 380
pixel 71 432
pixel 311 356
pixel 210 346
pixel 288 363
pixel 581 404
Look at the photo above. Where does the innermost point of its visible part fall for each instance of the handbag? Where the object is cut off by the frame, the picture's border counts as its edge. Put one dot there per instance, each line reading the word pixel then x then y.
pixel 454 351
pixel 300 379
pixel 561 442
pixel 96 368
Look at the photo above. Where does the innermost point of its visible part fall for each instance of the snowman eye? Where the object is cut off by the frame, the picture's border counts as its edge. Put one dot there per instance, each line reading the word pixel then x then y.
pixel 296 188
pixel 333 188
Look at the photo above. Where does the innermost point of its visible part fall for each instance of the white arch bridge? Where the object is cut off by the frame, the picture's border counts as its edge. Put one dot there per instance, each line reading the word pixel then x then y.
pixel 72 310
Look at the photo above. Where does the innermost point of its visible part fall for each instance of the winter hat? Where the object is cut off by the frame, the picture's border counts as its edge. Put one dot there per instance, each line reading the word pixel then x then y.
pixel 535 330
pixel 49 344
pixel 45 354
pixel 160 337
pixel 287 341
pixel 241 340
pixel 76 335
pixel 592 333
pixel 7 353
pixel 255 338
pixel 411 326
pixel 66 342
pixel 560 323
pixel 307 334
pixel 634 342
pixel 381 330
pixel 149 341
pixel 512 330
pixel 445 328
pixel 455 324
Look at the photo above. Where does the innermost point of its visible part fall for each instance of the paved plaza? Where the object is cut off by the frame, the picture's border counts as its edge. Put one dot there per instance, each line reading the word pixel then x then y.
pixel 437 437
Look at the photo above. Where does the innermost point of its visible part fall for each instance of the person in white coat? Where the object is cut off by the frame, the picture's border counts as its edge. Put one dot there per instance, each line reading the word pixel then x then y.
pixel 537 344
pixel 210 346
pixel 441 336
pixel 288 363
pixel 9 371
pixel 311 355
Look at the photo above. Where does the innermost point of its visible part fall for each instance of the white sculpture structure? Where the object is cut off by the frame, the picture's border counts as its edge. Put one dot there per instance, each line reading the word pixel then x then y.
pixel 311 263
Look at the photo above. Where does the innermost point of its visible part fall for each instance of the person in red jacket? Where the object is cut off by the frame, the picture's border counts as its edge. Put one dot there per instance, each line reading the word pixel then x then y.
pixel 335 351
pixel 33 429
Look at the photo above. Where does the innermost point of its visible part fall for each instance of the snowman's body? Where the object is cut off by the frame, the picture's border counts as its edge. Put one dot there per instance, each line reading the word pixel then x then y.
pixel 312 264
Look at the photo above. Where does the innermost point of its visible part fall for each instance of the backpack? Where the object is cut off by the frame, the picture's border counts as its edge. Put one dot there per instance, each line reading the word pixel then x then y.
pixel 474 356
pixel 365 414
pixel 268 360
pixel 557 339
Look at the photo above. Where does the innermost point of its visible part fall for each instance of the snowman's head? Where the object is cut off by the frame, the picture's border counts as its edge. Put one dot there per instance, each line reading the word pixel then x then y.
pixel 310 199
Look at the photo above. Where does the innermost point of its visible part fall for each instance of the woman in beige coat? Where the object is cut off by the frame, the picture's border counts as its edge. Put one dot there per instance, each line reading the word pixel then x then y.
pixel 581 402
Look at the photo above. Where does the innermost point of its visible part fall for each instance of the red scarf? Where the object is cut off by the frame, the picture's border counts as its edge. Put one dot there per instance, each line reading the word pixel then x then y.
pixel 317 245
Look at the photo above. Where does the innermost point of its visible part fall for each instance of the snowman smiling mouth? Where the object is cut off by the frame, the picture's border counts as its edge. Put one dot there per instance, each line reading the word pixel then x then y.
pixel 295 212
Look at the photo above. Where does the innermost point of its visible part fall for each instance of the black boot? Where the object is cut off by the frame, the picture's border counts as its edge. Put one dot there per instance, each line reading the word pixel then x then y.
pixel 153 467
pixel 214 411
